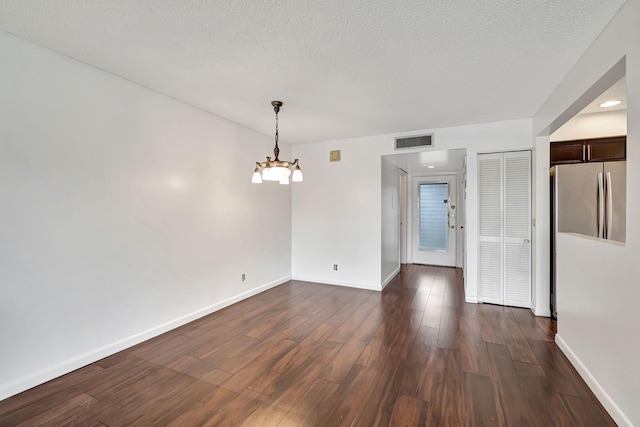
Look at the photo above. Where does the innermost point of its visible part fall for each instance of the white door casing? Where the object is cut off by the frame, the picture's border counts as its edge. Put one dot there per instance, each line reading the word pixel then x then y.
pixel 403 217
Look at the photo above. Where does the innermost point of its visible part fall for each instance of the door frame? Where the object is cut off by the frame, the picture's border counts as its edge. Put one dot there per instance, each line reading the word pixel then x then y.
pixel 402 226
pixel 411 211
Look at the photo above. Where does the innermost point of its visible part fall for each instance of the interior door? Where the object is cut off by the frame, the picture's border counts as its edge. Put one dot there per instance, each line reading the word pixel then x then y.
pixel 434 220
pixel 504 246
pixel 517 228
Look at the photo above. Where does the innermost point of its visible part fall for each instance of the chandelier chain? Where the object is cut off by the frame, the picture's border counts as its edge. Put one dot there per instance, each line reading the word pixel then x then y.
pixel 276 150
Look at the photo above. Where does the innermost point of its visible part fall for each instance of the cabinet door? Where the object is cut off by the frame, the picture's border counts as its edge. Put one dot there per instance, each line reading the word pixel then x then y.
pixel 567 152
pixel 607 149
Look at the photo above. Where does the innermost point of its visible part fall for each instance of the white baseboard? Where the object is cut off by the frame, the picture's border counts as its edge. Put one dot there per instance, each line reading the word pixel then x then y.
pixel 28 381
pixel 614 410
pixel 324 281
pixel 472 300
pixel 541 312
pixel 391 277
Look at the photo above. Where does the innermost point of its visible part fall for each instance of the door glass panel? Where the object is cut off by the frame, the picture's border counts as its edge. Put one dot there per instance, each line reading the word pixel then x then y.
pixel 434 211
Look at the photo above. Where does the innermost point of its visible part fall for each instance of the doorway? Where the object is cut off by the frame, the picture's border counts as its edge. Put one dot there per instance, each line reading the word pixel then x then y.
pixel 434 220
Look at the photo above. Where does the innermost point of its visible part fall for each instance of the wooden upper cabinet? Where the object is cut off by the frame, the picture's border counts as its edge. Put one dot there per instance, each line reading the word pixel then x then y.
pixel 567 152
pixel 588 150
pixel 603 150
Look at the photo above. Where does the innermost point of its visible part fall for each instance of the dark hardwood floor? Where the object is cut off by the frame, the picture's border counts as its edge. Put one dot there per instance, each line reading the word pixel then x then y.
pixel 305 354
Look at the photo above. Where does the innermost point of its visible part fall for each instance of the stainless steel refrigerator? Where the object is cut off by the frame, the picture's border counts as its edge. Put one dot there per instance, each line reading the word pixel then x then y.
pixel 589 199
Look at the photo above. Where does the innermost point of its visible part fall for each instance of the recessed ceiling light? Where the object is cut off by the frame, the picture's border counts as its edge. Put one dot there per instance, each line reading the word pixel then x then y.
pixel 430 166
pixel 610 104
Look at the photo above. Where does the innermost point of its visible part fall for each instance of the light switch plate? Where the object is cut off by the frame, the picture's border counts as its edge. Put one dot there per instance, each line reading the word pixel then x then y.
pixel 334 155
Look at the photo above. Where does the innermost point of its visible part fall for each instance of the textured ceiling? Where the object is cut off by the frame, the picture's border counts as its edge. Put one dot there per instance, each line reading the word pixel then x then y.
pixel 342 68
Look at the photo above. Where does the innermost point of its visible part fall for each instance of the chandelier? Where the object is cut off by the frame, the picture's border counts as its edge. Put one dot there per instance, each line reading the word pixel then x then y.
pixel 276 169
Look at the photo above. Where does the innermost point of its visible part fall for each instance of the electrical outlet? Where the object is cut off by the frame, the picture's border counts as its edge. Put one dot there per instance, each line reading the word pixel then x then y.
pixel 335 267
pixel 243 277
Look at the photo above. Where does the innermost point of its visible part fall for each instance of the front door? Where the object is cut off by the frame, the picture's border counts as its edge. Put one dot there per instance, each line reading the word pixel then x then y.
pixel 434 220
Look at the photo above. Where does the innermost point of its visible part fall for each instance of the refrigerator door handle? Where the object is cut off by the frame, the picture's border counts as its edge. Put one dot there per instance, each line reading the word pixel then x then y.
pixel 609 202
pixel 600 206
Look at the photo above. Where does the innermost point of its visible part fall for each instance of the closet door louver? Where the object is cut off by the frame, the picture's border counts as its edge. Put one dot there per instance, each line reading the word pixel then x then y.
pixel 504 184
pixel 517 247
pixel 490 286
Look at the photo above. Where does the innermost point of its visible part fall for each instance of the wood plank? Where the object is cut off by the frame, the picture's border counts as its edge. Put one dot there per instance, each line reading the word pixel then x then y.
pixel 344 331
pixel 346 404
pixel 287 387
pixel 473 355
pixel 261 364
pixel 376 350
pixel 512 404
pixel 49 388
pixel 480 404
pixel 445 404
pixel 65 413
pixel 541 397
pixel 408 412
pixel 300 353
pixel 347 356
pixel 310 404
pixel 433 311
pixel 383 393
pixel 489 326
pixel 145 400
pixel 417 374
pixel 449 336
pixel 236 411
pixel 174 404
pixel 515 339
pixel 204 409
pixel 585 412
pixel 346 310
pixel 558 369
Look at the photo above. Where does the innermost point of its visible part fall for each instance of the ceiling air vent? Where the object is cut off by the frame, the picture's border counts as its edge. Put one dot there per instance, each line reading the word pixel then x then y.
pixel 414 141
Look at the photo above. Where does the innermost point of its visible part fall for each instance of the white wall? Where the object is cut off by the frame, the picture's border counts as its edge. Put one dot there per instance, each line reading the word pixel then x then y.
pixel 598 291
pixel 594 125
pixel 124 213
pixel 337 214
pixel 390 229
pixel 541 233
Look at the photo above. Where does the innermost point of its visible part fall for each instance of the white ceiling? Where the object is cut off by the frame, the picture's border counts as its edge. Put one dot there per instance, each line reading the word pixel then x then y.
pixel 443 161
pixel 342 68
pixel 617 92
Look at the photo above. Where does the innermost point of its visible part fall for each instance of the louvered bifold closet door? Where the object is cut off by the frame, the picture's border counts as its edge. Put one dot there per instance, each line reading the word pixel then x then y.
pixel 517 230
pixel 490 257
